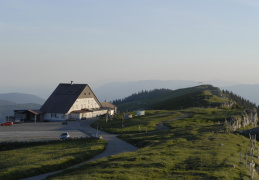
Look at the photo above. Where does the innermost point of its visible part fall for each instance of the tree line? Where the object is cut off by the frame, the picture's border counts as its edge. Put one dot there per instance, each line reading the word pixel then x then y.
pixel 142 95
pixel 240 100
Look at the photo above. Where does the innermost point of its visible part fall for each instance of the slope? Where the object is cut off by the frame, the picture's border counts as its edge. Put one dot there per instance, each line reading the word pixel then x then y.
pixel 204 95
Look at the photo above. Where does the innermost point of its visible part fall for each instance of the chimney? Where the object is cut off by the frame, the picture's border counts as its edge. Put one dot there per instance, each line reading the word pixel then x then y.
pixel 71 82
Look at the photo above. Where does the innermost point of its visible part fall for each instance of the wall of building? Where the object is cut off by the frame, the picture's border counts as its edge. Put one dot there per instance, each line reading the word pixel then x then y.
pixel 54 117
pixel 86 103
pixel 75 116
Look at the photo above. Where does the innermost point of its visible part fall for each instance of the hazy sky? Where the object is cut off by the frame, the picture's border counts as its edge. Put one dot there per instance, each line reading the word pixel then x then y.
pixel 45 42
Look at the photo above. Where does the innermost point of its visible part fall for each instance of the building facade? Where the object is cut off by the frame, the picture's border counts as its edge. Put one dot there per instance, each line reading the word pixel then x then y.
pixel 72 101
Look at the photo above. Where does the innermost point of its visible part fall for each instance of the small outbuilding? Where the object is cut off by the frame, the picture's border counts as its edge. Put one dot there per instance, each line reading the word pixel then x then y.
pixel 141 112
pixel 28 115
pixel 111 109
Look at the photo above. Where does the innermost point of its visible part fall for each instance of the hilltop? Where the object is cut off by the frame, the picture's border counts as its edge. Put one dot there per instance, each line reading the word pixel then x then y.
pixel 198 96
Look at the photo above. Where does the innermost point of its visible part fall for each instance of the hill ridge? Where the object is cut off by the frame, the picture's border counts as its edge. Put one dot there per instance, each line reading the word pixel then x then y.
pixel 197 96
pixel 21 98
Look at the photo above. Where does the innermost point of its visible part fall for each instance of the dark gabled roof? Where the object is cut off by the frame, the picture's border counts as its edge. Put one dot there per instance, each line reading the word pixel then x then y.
pixel 64 96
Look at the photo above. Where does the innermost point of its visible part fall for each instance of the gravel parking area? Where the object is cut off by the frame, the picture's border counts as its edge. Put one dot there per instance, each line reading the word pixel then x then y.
pixel 39 131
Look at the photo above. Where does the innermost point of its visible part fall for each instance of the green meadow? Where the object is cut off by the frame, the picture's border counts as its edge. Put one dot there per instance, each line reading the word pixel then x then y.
pixel 20 160
pixel 137 123
pixel 195 147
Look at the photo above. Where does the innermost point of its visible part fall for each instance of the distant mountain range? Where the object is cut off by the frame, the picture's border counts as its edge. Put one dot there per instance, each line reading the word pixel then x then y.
pixel 21 98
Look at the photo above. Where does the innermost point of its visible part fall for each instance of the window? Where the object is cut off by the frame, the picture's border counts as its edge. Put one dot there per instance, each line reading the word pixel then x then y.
pixel 53 115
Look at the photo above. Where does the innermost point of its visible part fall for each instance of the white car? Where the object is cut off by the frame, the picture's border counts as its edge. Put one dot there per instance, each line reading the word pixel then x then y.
pixel 17 121
pixel 65 135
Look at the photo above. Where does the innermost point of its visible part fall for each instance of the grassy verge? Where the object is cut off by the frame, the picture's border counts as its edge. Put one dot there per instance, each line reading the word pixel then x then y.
pixel 21 160
pixel 192 149
pixel 137 123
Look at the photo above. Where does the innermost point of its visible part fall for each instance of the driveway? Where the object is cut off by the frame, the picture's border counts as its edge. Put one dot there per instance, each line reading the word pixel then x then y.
pixel 114 146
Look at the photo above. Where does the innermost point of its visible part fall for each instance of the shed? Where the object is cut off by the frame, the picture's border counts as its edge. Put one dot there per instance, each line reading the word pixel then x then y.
pixel 141 112
pixel 29 115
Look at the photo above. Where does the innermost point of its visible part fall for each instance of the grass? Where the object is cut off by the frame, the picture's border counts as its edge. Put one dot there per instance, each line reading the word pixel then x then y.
pixel 21 160
pixel 175 100
pixel 191 149
pixel 137 123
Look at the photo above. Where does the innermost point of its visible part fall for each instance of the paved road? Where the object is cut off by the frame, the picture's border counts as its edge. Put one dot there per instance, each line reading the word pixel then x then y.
pixel 114 146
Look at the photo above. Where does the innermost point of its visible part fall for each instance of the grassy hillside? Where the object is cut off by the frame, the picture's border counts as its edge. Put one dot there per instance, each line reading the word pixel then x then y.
pixel 182 98
pixel 195 147
pixel 137 123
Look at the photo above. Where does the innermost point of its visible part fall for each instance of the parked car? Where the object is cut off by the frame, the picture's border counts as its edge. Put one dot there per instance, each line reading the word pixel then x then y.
pixel 17 121
pixel 7 123
pixel 65 135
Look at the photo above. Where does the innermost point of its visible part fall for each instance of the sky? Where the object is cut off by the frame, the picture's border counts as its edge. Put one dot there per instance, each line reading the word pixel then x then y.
pixel 47 42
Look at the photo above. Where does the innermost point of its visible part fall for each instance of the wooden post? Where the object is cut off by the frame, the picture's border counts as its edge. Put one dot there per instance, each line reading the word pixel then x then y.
pixel 253 174
pixel 241 156
pixel 246 159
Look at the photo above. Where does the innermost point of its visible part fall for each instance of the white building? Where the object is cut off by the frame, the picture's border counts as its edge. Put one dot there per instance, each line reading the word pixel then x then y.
pixel 141 112
pixel 110 108
pixel 72 101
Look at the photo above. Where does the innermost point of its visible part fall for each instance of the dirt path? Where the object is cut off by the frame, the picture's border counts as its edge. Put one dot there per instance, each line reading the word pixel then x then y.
pixel 161 126
pixel 114 146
